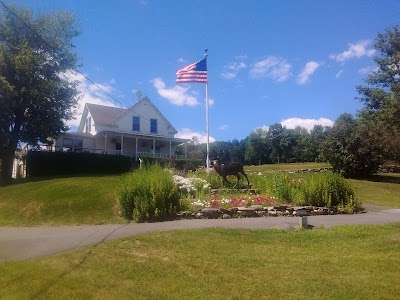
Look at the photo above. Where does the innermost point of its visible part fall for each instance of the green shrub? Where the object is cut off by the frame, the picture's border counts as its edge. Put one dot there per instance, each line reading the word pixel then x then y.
pixel 147 194
pixel 262 182
pixel 282 187
pixel 327 189
pixel 212 177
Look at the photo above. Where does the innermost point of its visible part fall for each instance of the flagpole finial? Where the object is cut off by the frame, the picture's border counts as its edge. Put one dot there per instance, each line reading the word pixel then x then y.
pixel 206 52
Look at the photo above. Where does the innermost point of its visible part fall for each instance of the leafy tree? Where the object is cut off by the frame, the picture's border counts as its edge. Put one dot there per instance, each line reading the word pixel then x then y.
pixel 290 139
pixel 36 96
pixel 275 135
pixel 381 95
pixel 257 147
pixel 353 147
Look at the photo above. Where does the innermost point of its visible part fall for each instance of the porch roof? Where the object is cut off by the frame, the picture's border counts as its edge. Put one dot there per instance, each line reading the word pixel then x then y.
pixel 144 136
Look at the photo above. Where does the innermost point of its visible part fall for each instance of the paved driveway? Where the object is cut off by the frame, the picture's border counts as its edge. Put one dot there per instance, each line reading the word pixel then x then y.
pixel 27 242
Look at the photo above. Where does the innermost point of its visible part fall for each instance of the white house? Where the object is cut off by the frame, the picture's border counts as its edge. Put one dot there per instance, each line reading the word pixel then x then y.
pixel 138 131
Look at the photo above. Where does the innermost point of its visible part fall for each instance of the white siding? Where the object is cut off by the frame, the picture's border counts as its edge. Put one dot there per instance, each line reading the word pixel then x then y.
pixel 146 112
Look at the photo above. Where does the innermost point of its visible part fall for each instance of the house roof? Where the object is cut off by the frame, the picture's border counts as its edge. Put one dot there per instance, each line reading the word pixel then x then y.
pixel 106 115
pixel 109 115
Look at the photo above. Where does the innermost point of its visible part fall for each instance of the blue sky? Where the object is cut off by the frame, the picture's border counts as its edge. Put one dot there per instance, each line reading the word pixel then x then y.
pixel 293 62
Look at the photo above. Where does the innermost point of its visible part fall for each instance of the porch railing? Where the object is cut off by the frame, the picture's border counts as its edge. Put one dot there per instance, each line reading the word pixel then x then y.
pixel 114 152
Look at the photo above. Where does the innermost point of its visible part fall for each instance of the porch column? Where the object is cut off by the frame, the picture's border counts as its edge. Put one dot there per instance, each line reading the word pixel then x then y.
pixel 137 141
pixel 170 149
pixel 154 147
pixel 105 143
pixel 122 145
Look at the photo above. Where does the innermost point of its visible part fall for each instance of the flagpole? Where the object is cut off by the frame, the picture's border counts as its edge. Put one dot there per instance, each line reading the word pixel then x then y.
pixel 207 127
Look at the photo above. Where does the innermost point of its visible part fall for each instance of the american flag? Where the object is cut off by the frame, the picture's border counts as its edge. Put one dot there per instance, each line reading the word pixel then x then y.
pixel 196 72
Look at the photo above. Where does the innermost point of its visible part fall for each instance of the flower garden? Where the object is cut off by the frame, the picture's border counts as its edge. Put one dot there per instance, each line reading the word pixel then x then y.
pixel 156 193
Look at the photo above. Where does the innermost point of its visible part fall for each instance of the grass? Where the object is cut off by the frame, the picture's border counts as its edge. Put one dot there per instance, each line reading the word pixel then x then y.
pixel 60 201
pixel 345 262
pixel 285 167
pixel 381 190
pixel 92 199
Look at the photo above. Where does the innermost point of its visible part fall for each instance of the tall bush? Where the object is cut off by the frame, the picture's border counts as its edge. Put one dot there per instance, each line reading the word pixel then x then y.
pixel 328 189
pixel 284 188
pixel 147 194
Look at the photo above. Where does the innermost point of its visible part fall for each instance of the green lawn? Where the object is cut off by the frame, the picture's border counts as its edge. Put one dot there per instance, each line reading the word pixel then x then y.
pixel 92 199
pixel 286 167
pixel 382 190
pixel 60 201
pixel 346 262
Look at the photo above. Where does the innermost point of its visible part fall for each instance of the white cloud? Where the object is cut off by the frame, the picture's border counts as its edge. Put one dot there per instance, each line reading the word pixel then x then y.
pixel 291 123
pixel 90 93
pixel 181 60
pixel 143 2
pixel 275 68
pixel 359 49
pixel 232 70
pixel 223 127
pixel 338 74
pixel 177 95
pixel 187 133
pixel 307 71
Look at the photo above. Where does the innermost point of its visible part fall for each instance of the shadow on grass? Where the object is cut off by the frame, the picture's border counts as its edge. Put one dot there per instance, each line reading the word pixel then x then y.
pixel 43 178
pixel 73 267
pixel 388 178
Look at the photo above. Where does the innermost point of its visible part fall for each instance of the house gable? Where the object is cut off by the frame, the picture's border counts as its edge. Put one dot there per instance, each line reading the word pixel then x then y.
pixel 148 120
pixel 151 120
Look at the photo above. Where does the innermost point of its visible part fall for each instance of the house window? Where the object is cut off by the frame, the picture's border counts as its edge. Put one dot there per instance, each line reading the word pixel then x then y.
pixel 135 123
pixel 153 126
pixel 89 124
pixel 118 146
pixel 78 144
pixel 158 149
pixel 67 143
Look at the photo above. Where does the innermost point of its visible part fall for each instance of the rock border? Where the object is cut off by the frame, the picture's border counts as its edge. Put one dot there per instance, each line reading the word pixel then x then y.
pixel 255 211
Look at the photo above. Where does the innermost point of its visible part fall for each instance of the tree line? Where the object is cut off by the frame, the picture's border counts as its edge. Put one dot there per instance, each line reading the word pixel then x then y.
pixel 275 144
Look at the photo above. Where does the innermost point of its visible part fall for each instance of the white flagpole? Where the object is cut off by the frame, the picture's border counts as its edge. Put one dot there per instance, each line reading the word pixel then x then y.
pixel 207 127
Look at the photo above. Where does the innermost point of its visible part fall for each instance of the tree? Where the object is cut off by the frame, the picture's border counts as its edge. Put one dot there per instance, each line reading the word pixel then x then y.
pixel 36 96
pixel 257 147
pixel 275 135
pixel 381 95
pixel 353 147
pixel 288 143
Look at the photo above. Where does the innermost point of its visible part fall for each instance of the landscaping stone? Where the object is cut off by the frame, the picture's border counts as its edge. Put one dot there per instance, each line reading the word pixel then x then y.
pixel 289 211
pixel 185 214
pixel 211 213
pixel 247 212
pixel 272 212
pixel 257 207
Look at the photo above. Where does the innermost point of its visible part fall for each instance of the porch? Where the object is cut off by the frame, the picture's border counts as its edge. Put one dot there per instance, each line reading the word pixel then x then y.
pixel 132 145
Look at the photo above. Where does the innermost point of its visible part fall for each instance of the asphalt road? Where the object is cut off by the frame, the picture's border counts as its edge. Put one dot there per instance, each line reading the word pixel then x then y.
pixel 17 243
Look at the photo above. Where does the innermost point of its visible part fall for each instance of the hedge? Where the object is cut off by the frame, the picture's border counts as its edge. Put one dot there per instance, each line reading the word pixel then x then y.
pixel 72 163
